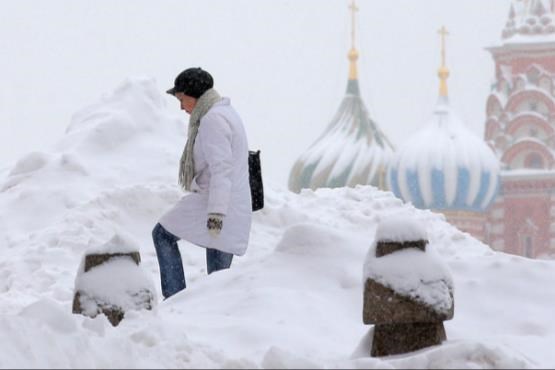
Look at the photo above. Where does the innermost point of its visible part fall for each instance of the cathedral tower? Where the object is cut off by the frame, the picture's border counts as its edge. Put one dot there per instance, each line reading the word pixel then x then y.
pixel 520 127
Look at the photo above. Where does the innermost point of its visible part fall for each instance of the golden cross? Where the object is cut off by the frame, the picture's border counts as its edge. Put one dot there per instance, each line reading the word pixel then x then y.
pixel 354 9
pixel 443 32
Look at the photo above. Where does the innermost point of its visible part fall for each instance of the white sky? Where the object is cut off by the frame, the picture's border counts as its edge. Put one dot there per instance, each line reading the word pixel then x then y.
pixel 282 62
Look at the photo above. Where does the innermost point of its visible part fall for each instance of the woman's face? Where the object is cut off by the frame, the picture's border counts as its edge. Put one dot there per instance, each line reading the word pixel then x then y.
pixel 188 103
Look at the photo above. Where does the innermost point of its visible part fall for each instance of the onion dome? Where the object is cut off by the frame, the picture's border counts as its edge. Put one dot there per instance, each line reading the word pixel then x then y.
pixel 352 150
pixel 445 166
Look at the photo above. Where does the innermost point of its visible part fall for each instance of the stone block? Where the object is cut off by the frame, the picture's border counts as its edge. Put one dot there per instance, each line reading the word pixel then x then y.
pixel 97 259
pixel 393 339
pixel 91 306
pixel 382 305
pixel 384 248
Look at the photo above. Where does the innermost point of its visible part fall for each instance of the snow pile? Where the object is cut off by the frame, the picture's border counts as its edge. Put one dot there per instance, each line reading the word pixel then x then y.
pixel 401 229
pixel 294 300
pixel 111 144
pixel 119 243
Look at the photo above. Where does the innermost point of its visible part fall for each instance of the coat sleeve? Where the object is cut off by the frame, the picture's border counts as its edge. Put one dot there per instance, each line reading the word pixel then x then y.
pixel 216 146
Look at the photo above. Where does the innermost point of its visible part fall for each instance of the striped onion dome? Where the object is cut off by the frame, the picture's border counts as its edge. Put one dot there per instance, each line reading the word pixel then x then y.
pixel 352 151
pixel 445 166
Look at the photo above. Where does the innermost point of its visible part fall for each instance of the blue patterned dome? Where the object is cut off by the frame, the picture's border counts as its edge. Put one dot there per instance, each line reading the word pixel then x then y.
pixel 445 166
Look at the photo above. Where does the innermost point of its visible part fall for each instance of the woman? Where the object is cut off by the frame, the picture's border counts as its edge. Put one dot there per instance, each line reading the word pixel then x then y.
pixel 216 212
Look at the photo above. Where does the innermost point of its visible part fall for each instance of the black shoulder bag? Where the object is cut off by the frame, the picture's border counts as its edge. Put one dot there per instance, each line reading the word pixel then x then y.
pixel 255 180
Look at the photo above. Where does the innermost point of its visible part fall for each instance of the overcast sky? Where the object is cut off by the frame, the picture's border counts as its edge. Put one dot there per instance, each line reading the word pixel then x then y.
pixel 282 62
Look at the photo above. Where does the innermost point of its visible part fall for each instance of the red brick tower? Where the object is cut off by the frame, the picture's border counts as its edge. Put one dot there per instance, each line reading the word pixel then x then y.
pixel 520 127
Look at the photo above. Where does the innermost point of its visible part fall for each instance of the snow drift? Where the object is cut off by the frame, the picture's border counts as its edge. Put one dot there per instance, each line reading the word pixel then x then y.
pixel 293 301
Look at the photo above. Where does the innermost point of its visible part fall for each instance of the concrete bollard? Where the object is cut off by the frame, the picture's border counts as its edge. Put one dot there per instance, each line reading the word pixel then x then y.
pixel 408 292
pixel 111 282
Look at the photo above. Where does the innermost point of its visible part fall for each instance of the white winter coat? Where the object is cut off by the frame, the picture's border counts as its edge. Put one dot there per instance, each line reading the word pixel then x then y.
pixel 221 185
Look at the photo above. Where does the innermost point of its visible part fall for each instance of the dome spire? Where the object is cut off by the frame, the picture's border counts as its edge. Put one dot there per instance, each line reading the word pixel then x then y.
pixel 353 53
pixel 443 71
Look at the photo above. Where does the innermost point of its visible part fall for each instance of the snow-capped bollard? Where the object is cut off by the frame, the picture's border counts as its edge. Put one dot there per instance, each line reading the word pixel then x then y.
pixel 408 290
pixel 110 281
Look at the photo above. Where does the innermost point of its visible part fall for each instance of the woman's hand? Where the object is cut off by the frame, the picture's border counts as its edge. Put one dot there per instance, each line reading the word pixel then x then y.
pixel 214 224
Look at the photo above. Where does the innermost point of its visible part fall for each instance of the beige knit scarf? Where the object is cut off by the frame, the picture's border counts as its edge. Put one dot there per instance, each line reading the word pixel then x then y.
pixel 187 164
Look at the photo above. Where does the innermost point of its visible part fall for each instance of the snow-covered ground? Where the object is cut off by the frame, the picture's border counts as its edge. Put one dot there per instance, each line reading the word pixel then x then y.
pixel 293 301
pixel 3 172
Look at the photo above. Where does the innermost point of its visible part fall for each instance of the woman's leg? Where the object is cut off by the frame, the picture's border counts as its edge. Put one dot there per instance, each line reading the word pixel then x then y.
pixel 217 260
pixel 169 259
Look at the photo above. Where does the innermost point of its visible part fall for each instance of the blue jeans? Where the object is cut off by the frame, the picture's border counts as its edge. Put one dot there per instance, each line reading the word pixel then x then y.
pixel 171 266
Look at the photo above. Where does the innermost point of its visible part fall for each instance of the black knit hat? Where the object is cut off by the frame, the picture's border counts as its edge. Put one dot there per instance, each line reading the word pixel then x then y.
pixel 192 82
